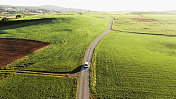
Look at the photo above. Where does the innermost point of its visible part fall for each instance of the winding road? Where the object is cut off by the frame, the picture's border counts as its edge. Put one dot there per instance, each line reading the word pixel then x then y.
pixel 84 75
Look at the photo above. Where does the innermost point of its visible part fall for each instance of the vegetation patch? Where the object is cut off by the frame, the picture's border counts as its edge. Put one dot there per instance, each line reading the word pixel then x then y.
pixel 29 14
pixel 68 35
pixel 143 20
pixel 9 21
pixel 37 75
pixel 164 25
pixel 29 86
pixel 133 66
pixel 4 75
pixel 155 13
pixel 137 60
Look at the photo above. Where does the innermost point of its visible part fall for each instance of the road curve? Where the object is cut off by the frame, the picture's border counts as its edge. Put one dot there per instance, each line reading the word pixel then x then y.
pixel 84 75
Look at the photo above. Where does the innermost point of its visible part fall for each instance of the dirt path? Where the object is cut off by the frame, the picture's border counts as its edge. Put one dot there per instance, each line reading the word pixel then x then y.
pixel 83 89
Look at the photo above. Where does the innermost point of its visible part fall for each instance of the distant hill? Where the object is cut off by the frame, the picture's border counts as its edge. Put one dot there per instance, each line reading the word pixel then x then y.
pixel 61 9
pixel 49 7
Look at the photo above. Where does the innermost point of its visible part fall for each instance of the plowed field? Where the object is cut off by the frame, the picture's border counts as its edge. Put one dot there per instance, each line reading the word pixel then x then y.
pixel 13 49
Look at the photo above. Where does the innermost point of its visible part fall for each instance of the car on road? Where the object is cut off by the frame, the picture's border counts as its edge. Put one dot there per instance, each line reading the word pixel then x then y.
pixel 86 64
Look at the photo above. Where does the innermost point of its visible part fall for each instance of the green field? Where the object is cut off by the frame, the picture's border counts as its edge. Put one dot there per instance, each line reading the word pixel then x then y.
pixel 136 60
pixel 160 24
pixel 69 36
pixel 33 87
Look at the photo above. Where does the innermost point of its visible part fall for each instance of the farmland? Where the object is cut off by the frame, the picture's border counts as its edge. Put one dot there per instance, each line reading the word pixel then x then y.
pixel 28 86
pixel 68 35
pixel 13 49
pixel 152 25
pixel 136 59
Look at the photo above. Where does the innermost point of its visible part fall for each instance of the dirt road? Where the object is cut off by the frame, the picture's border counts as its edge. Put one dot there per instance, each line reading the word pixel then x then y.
pixel 83 89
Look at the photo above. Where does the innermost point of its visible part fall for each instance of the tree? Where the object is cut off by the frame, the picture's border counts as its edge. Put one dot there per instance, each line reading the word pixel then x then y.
pixel 5 19
pixel 18 16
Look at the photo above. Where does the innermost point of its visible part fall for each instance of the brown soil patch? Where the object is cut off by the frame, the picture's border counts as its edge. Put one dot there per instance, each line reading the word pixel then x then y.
pixel 143 19
pixel 13 49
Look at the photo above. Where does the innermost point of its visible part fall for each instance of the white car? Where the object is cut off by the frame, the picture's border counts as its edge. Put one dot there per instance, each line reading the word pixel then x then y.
pixel 86 64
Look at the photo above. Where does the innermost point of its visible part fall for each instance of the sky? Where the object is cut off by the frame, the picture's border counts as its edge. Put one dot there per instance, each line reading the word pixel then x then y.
pixel 100 5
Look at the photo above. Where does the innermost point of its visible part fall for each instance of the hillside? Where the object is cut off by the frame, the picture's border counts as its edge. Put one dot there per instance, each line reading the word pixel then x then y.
pixel 46 7
pixel 61 9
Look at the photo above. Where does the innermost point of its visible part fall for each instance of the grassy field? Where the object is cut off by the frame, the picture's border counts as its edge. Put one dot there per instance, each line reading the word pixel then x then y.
pixel 135 61
pixel 159 24
pixel 69 35
pixel 34 87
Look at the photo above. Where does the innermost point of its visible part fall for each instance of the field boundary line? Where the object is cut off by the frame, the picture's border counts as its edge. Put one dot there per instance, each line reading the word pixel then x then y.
pixel 145 33
pixel 40 73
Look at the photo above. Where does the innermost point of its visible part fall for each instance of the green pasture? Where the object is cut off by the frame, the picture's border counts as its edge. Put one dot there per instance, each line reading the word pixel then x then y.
pixel 22 86
pixel 128 64
pixel 135 66
pixel 162 24
pixel 69 35
pixel 135 60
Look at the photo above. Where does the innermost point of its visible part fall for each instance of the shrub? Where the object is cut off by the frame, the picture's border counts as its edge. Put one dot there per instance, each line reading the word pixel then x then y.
pixel 5 19
pixel 18 16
